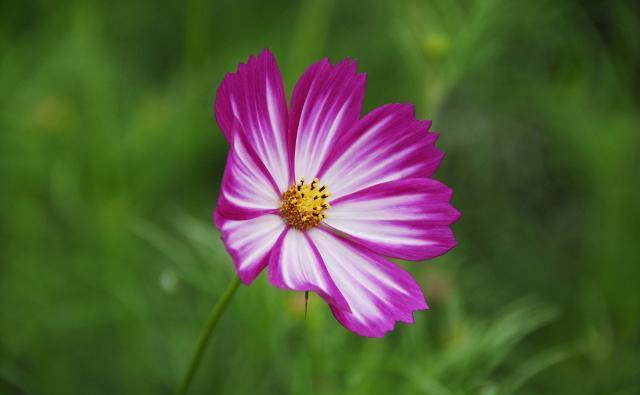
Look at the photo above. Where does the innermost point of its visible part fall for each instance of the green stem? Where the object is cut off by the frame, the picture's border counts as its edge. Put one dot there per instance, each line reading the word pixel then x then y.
pixel 214 317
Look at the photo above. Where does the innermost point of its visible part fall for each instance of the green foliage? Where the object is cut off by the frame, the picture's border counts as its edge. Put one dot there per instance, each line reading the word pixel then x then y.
pixel 110 162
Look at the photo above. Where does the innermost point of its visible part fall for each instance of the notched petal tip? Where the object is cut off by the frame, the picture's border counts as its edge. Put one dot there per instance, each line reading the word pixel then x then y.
pixel 252 102
pixel 456 214
pixel 349 64
pixel 266 52
pixel 325 103
pixel 379 293
pixel 426 123
pixel 406 219
pixel 380 331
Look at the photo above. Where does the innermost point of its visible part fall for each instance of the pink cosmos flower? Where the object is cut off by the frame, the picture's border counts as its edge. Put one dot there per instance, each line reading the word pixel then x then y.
pixel 321 196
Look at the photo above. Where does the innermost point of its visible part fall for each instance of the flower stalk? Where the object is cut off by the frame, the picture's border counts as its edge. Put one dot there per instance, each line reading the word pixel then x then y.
pixel 214 317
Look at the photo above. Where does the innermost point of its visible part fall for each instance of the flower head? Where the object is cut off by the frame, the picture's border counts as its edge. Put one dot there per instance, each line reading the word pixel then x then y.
pixel 321 196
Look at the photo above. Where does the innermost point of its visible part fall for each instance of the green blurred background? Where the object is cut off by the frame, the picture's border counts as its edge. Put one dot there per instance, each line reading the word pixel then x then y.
pixel 110 162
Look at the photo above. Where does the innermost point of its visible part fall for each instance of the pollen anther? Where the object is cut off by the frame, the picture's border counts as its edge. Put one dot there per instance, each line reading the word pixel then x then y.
pixel 303 204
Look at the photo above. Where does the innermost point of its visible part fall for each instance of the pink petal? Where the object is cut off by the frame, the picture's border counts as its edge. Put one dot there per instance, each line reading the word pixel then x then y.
pixel 247 189
pixel 326 102
pixel 250 242
pixel 296 264
pixel 387 144
pixel 252 102
pixel 378 292
pixel 406 219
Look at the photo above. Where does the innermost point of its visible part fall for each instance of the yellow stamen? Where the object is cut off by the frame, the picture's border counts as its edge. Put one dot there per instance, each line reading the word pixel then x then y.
pixel 303 204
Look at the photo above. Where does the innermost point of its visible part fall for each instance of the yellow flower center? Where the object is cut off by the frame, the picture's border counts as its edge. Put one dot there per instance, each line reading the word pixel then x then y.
pixel 303 205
